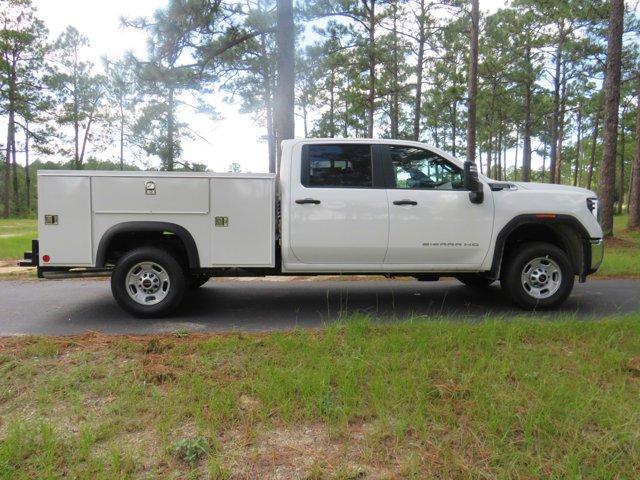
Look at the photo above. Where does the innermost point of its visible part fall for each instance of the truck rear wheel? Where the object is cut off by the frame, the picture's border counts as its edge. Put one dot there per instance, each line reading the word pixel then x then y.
pixel 148 282
pixel 537 275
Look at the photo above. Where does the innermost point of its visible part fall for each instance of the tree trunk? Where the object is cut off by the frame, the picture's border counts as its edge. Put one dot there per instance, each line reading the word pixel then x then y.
pixel 285 87
pixel 267 88
pixel 121 136
pixel 578 147
pixel 27 175
pixel 370 6
pixel 515 161
pixel 305 116
pixel 634 189
pixel 395 102
pixel 594 144
pixel 7 167
pixel 561 126
pixel 504 162
pixel 345 113
pixel 526 146
pixel 76 113
pixel 88 130
pixel 332 103
pixel 14 175
pixel 612 100
pixel 621 192
pixel 555 118
pixel 170 131
pixel 499 154
pixel 417 106
pixel 489 148
pixel 271 133
pixel 11 150
pixel 472 82
pixel 454 126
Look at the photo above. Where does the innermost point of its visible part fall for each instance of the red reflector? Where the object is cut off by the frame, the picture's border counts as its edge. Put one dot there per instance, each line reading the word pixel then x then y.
pixel 46 258
pixel 546 215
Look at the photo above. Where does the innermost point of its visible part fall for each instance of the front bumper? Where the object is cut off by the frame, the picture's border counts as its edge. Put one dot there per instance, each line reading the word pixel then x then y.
pixel 595 254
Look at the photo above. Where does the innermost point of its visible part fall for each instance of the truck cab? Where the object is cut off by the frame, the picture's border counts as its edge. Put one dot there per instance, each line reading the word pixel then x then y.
pixel 360 206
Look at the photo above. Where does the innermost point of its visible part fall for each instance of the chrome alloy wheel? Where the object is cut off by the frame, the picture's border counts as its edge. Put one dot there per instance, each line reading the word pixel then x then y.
pixel 541 277
pixel 148 283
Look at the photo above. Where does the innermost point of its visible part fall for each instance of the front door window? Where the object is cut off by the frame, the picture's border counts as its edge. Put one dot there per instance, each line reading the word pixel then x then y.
pixel 419 169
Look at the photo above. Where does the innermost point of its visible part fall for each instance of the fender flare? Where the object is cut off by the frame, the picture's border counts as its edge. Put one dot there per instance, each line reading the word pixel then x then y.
pixel 148 227
pixel 539 219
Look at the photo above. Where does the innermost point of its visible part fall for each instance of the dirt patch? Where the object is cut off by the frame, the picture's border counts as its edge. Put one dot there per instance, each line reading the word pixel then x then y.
pixel 9 269
pixel 305 451
pixel 633 366
pixel 616 242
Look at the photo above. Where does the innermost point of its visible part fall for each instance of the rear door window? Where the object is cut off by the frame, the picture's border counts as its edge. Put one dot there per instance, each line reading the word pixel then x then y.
pixel 337 165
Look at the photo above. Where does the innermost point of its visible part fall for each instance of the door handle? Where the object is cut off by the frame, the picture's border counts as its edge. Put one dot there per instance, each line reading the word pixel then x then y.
pixel 405 202
pixel 304 201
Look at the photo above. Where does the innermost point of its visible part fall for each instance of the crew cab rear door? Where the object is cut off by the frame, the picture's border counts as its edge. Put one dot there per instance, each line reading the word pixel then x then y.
pixel 432 223
pixel 338 206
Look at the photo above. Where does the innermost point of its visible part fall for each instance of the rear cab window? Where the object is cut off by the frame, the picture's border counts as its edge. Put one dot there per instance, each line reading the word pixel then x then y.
pixel 337 166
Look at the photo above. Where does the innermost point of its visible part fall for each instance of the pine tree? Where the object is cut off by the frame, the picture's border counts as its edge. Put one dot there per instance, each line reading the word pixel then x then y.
pixel 22 49
pixel 77 91
pixel 611 102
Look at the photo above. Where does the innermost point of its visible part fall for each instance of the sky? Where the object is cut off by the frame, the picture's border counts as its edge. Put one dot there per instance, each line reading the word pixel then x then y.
pixel 233 137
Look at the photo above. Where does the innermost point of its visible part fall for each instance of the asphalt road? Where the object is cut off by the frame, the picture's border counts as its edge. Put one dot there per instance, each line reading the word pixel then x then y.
pixel 63 307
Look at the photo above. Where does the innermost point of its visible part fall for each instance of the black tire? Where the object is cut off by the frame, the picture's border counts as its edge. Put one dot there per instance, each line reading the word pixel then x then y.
pixel 196 281
pixel 476 281
pixel 173 271
pixel 521 292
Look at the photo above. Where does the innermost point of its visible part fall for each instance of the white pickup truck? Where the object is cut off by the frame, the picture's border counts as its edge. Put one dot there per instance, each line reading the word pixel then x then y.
pixel 379 207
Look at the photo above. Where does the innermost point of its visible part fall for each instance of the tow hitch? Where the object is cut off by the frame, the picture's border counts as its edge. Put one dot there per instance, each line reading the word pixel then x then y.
pixel 31 258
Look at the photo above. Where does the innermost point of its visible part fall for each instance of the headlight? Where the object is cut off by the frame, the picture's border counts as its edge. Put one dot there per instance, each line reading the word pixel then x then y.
pixel 592 205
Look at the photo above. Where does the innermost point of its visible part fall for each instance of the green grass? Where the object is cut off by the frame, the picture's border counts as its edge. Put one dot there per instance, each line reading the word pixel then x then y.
pixel 498 399
pixel 15 237
pixel 622 253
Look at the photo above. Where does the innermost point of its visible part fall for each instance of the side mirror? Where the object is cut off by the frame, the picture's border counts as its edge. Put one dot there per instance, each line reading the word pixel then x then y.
pixel 472 183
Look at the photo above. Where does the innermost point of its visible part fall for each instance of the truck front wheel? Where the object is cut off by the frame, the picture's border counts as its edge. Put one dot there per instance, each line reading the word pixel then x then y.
pixel 148 282
pixel 537 275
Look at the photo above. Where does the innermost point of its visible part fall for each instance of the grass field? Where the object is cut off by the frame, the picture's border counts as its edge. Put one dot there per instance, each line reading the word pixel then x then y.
pixel 622 254
pixel 15 237
pixel 497 399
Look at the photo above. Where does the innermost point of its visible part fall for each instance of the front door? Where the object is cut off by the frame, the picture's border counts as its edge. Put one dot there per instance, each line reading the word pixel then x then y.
pixel 432 223
pixel 339 211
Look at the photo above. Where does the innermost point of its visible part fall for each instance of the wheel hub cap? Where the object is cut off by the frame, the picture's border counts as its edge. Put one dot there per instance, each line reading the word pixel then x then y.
pixel 148 283
pixel 541 277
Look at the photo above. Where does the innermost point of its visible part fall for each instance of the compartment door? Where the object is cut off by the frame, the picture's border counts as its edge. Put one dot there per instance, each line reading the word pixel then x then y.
pixel 149 194
pixel 68 242
pixel 243 222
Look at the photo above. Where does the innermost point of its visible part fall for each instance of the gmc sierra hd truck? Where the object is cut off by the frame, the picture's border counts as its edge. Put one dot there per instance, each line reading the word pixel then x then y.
pixel 378 207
